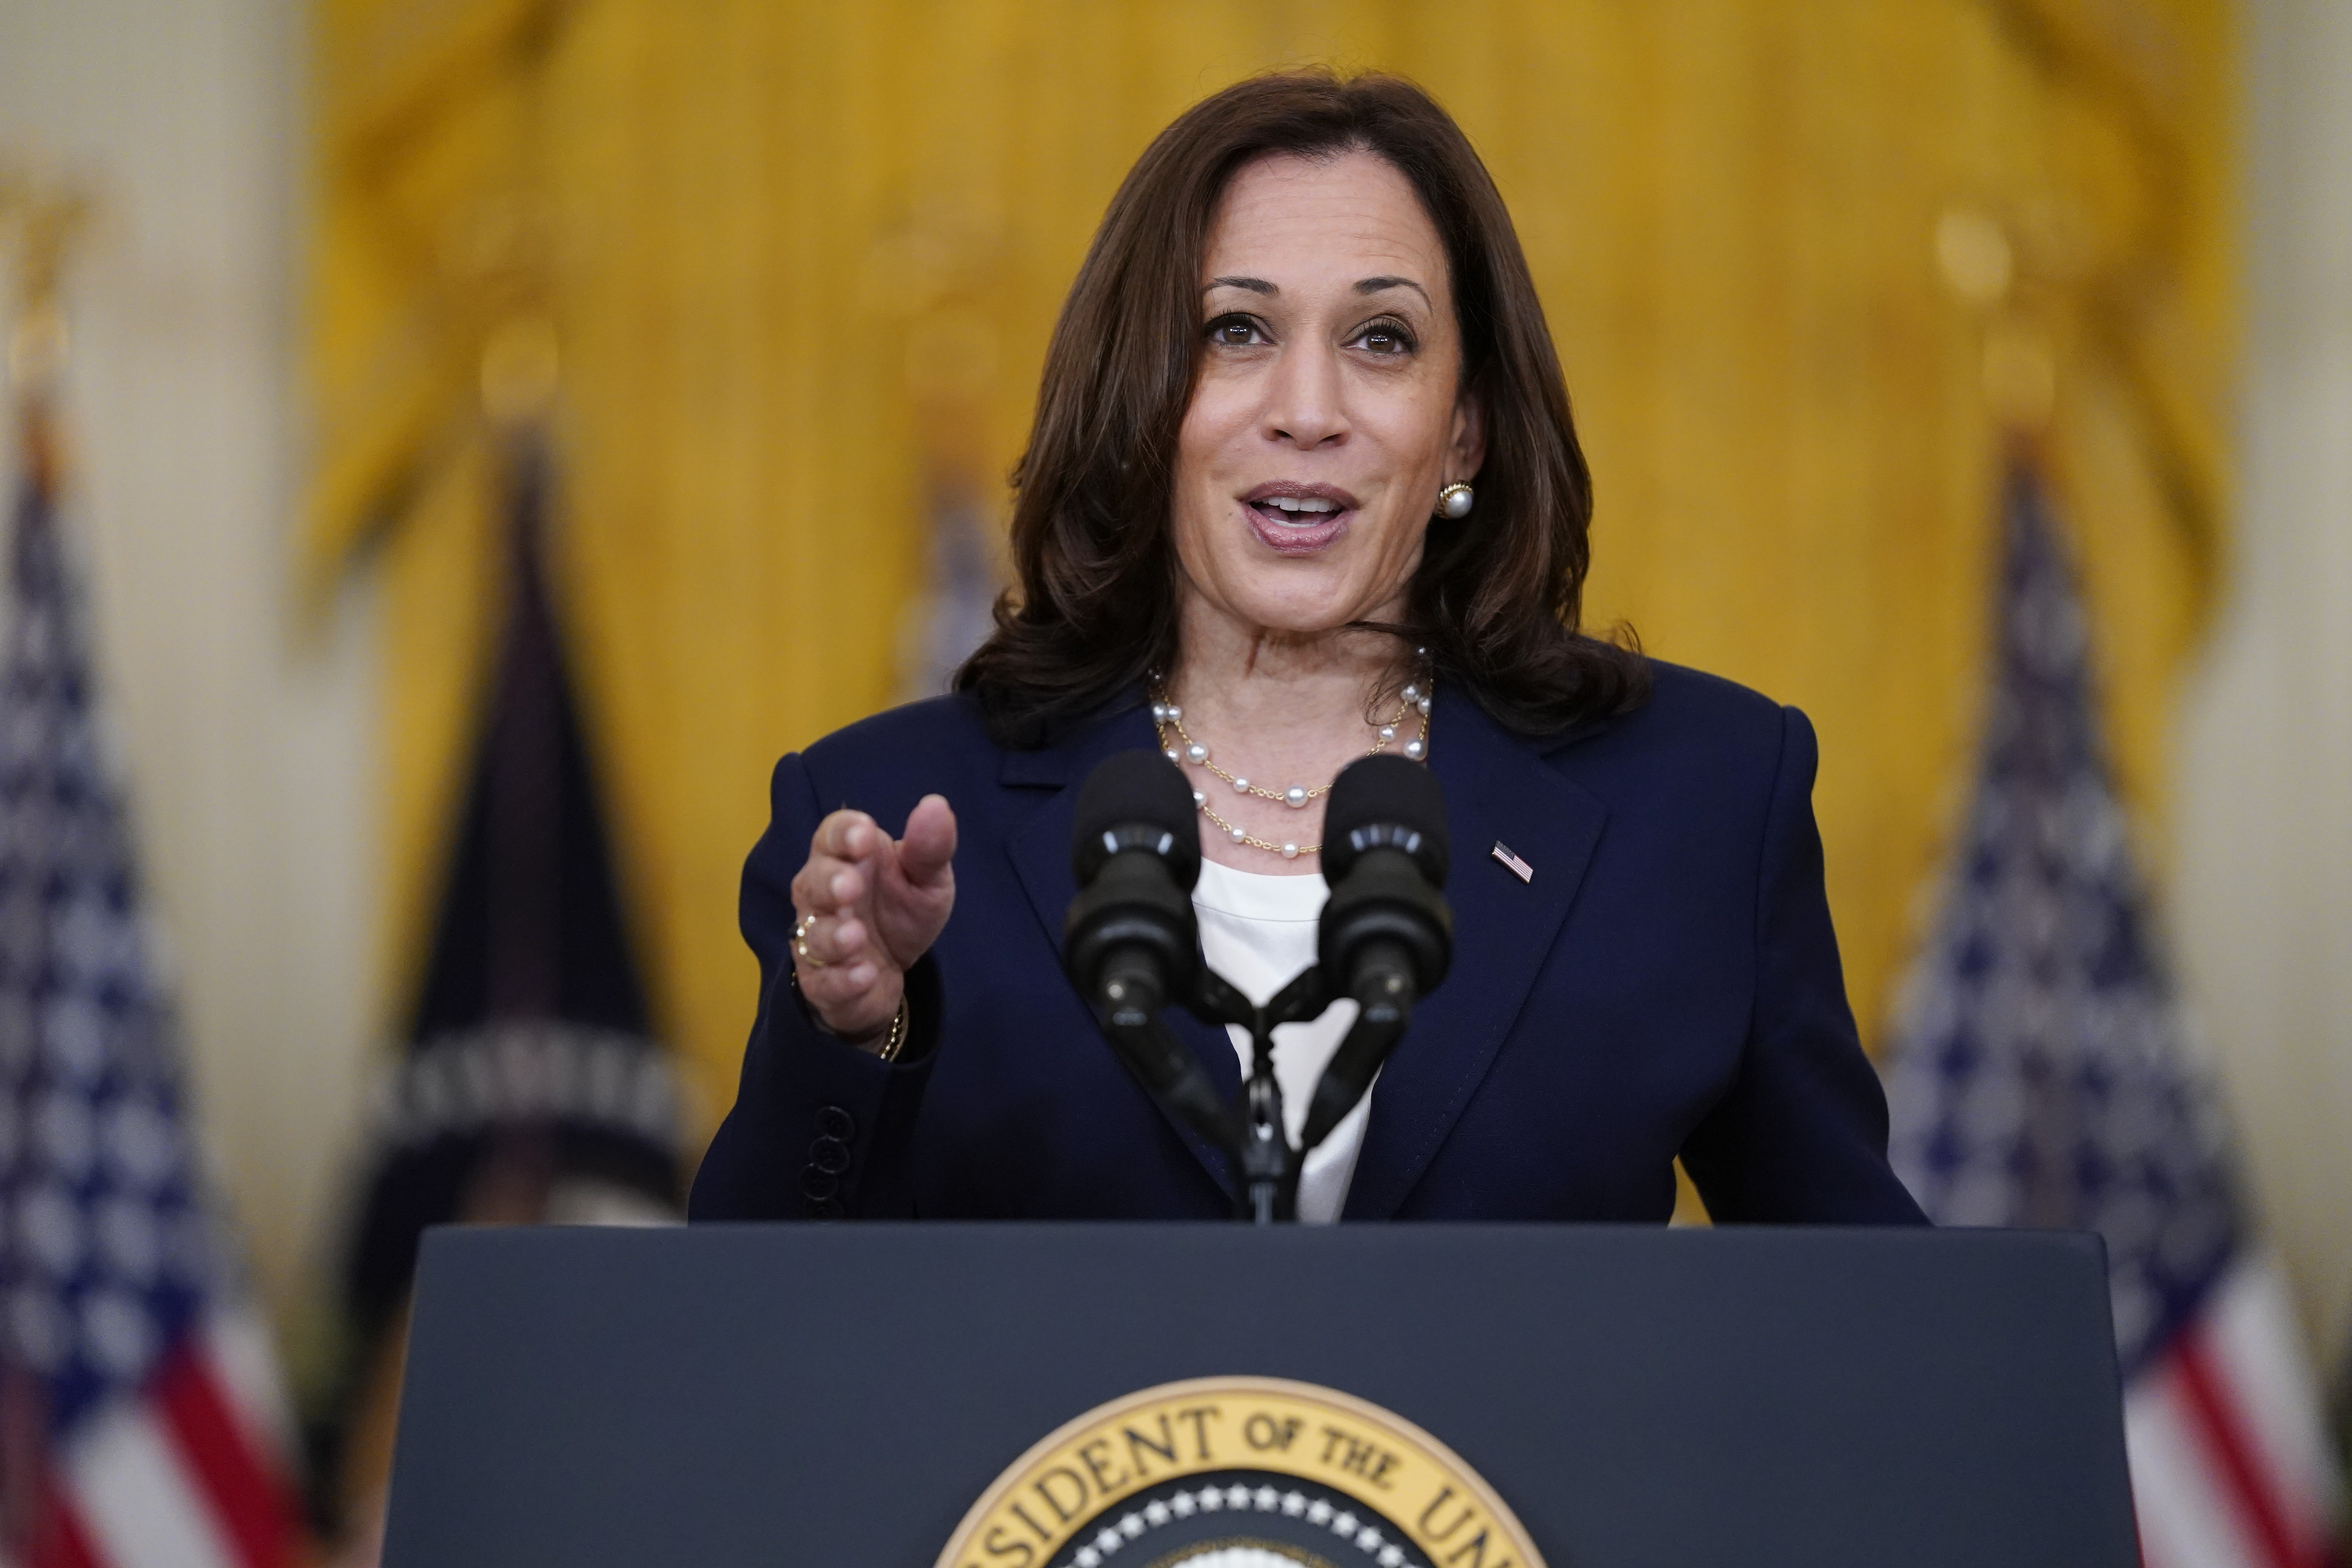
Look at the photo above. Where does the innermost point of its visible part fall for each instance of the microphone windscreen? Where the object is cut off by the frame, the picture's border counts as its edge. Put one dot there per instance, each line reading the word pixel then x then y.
pixel 1384 800
pixel 1136 790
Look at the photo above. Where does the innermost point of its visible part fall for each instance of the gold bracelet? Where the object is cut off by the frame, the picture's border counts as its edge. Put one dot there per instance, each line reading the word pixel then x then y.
pixel 898 1021
pixel 890 1047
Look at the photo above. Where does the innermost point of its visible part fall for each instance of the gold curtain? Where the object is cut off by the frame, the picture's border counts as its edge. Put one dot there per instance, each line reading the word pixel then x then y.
pixel 1807 261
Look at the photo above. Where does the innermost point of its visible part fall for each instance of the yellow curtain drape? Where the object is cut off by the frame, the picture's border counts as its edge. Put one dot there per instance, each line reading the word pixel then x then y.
pixel 1806 261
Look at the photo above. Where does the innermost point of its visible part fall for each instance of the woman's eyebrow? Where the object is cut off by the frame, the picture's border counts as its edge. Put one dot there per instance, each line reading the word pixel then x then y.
pixel 1254 284
pixel 1375 285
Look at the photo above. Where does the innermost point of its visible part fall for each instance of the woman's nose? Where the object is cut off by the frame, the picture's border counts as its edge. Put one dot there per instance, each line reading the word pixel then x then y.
pixel 1304 404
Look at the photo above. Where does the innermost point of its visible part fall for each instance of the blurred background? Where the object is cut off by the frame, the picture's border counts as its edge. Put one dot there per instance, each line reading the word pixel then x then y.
pixel 731 315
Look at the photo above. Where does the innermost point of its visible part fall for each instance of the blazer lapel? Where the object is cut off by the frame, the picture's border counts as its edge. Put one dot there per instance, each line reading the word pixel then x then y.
pixel 1498 790
pixel 1040 852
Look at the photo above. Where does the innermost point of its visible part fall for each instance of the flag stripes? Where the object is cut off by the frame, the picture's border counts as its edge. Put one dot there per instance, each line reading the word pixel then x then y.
pixel 137 1499
pixel 2219 1434
pixel 240 1485
pixel 182 1479
pixel 59 1539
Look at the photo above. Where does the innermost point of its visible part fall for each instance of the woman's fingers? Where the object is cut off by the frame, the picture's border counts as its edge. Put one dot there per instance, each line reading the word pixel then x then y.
pixel 914 885
pixel 847 835
pixel 867 906
pixel 814 889
pixel 835 876
pixel 850 999
pixel 837 976
pixel 848 940
pixel 929 846
pixel 825 939
pixel 831 983
pixel 841 974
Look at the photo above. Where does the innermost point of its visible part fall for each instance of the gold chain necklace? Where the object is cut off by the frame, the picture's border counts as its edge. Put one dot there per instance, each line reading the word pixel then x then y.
pixel 1414 704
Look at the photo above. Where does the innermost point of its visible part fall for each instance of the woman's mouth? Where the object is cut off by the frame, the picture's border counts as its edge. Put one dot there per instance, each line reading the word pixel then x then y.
pixel 1297 520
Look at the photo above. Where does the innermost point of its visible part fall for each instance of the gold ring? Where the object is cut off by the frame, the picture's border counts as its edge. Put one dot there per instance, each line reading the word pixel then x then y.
pixel 800 942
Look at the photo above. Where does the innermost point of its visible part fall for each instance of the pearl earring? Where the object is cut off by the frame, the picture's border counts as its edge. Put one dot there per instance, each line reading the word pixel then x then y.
pixel 1454 502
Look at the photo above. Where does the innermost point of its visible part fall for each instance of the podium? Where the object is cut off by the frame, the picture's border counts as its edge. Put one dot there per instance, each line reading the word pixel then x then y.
pixel 806 1395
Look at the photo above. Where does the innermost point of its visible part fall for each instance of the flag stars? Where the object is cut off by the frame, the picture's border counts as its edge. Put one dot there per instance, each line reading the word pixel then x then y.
pixel 128 1239
pixel 116 1333
pixel 62 1131
pixel 39 1330
pixel 51 1227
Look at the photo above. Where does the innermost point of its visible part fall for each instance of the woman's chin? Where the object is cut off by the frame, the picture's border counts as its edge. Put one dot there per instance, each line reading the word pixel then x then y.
pixel 1302 618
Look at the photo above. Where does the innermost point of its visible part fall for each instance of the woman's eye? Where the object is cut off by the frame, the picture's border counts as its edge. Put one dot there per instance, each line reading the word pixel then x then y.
pixel 1235 332
pixel 1385 338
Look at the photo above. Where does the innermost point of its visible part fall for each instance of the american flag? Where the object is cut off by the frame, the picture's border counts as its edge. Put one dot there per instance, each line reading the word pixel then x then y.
pixel 138 1411
pixel 2039 1077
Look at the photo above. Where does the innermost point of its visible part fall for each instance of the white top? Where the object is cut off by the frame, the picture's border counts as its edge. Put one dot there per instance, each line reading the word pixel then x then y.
pixel 1258 931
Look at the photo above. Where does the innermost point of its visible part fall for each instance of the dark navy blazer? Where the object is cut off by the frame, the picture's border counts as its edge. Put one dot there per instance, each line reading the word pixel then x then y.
pixel 1667 984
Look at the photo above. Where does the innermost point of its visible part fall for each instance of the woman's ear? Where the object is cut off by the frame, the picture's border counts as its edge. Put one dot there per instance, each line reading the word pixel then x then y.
pixel 1467 449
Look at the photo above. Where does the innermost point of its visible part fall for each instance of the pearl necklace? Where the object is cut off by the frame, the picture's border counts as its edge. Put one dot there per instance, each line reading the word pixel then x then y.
pixel 1415 700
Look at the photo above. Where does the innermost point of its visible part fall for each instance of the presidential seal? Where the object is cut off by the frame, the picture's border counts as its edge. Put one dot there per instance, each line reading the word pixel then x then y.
pixel 1239 1473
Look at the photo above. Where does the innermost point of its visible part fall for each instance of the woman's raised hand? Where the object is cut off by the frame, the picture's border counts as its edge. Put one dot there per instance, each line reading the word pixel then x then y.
pixel 869 906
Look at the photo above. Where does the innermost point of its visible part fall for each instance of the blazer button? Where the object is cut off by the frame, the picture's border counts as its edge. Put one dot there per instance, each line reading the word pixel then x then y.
pixel 829 1155
pixel 817 1186
pixel 836 1123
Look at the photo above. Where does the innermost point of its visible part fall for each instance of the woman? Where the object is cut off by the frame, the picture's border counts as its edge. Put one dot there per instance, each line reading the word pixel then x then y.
pixel 1303 486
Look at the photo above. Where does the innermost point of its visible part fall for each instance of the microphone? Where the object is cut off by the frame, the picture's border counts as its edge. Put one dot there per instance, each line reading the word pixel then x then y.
pixel 1136 851
pixel 1386 936
pixel 1129 942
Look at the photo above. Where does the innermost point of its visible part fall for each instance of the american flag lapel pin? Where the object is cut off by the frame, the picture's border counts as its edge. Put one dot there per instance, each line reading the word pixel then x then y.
pixel 1512 863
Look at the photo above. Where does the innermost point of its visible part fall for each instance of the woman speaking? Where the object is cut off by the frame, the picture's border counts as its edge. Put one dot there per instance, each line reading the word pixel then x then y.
pixel 1303 487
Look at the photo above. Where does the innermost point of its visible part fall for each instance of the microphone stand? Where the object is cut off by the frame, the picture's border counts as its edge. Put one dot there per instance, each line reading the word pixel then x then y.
pixel 1265 1164
pixel 1265 1161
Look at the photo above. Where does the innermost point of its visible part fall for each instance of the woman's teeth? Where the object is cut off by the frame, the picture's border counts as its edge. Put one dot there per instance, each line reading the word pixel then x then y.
pixel 1298 508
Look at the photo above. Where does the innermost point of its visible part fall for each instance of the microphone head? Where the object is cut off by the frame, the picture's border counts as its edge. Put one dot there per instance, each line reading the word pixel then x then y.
pixel 1383 802
pixel 1137 800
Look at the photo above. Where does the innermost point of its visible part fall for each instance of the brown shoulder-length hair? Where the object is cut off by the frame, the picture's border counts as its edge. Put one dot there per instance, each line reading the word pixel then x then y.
pixel 1497 597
